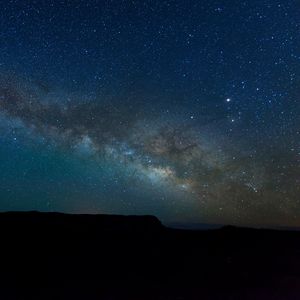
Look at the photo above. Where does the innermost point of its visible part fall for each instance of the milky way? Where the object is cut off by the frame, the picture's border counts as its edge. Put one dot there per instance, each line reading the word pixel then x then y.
pixel 162 154
pixel 201 137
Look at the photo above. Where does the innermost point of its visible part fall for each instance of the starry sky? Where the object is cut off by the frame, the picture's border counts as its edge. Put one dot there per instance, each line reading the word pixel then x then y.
pixel 188 110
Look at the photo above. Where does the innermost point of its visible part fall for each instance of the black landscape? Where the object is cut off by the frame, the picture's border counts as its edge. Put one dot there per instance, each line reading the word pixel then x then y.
pixel 61 256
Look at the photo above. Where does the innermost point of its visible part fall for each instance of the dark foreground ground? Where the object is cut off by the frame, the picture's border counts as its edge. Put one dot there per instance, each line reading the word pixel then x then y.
pixel 56 256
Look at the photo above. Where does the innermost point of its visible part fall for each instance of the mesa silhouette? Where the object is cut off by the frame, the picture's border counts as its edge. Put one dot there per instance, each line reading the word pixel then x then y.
pixel 61 256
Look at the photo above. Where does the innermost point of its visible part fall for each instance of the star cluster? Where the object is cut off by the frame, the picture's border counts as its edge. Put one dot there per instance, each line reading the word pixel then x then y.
pixel 183 109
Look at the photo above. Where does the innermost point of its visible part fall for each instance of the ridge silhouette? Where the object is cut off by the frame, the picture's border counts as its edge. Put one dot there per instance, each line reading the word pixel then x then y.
pixel 61 256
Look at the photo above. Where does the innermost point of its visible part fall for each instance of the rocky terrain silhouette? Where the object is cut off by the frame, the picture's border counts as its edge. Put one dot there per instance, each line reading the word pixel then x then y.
pixel 61 256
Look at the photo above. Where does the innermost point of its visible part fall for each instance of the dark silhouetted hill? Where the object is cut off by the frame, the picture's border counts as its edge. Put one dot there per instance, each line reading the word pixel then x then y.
pixel 61 256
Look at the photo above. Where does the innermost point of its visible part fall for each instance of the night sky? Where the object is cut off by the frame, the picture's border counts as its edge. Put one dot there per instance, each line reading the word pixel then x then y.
pixel 187 110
